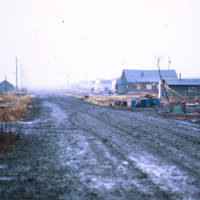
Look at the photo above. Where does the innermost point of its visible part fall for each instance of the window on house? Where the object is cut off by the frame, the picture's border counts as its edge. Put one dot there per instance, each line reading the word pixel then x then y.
pixel 192 89
pixel 148 86
pixel 138 86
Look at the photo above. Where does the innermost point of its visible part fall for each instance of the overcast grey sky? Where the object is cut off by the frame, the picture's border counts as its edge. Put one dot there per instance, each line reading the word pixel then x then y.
pixel 89 39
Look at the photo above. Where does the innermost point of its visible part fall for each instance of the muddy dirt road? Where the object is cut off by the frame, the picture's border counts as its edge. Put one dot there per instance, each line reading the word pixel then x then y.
pixel 73 150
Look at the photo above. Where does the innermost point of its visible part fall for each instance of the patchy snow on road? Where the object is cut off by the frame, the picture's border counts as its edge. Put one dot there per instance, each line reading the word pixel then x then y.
pixel 6 178
pixel 56 112
pixel 2 166
pixel 29 122
pixel 99 182
pixel 169 178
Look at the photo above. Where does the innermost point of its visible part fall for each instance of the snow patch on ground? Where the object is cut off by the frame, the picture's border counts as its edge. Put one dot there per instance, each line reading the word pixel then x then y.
pixel 165 176
pixel 6 178
pixel 98 182
pixel 29 122
pixel 2 166
pixel 56 112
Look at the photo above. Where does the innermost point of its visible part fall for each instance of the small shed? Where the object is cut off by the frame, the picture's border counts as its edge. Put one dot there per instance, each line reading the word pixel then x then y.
pixel 5 86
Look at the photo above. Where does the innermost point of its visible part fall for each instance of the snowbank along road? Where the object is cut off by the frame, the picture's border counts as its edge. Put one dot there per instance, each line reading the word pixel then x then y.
pixel 69 149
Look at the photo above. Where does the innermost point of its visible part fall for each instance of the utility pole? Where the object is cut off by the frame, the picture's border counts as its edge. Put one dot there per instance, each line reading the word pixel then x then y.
pixel 21 77
pixel 16 74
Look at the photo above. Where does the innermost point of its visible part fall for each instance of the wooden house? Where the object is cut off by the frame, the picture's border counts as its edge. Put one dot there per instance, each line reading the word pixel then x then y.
pixel 186 87
pixel 137 81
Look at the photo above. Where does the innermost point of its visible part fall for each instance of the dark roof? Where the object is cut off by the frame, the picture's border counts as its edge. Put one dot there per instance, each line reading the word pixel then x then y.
pixel 148 75
pixel 185 81
pixel 5 86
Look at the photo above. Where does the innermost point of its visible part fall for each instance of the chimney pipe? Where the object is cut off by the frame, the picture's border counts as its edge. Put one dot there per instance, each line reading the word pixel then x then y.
pixel 180 76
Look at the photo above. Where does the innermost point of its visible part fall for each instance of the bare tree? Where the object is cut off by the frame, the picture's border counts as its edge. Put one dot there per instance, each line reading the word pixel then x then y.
pixel 162 80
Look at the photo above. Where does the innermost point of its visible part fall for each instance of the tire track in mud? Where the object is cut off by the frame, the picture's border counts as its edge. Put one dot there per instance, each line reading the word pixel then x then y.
pixel 98 152
pixel 109 171
pixel 150 147
pixel 124 113
pixel 161 194
pixel 160 143
pixel 162 137
pixel 127 153
pixel 152 122
pixel 75 108
pixel 189 137
pixel 195 139
pixel 121 126
pixel 140 178
pixel 117 128
pixel 75 187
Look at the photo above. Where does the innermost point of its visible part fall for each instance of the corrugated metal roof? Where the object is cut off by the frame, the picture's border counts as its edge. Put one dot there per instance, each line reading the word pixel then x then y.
pixel 148 75
pixel 183 82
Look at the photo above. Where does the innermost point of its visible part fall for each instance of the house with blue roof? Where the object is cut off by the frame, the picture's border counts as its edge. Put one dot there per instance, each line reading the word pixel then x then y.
pixel 6 86
pixel 186 87
pixel 138 81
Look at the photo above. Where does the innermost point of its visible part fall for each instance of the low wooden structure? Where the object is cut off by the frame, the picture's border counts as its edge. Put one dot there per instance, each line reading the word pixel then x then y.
pixel 185 87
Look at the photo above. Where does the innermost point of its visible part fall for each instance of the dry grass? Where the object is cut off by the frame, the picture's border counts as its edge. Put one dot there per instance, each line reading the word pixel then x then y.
pixel 17 107
pixel 104 100
pixel 14 108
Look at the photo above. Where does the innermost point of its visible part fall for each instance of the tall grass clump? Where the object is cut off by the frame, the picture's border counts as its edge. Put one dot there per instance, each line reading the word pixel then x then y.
pixel 12 109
